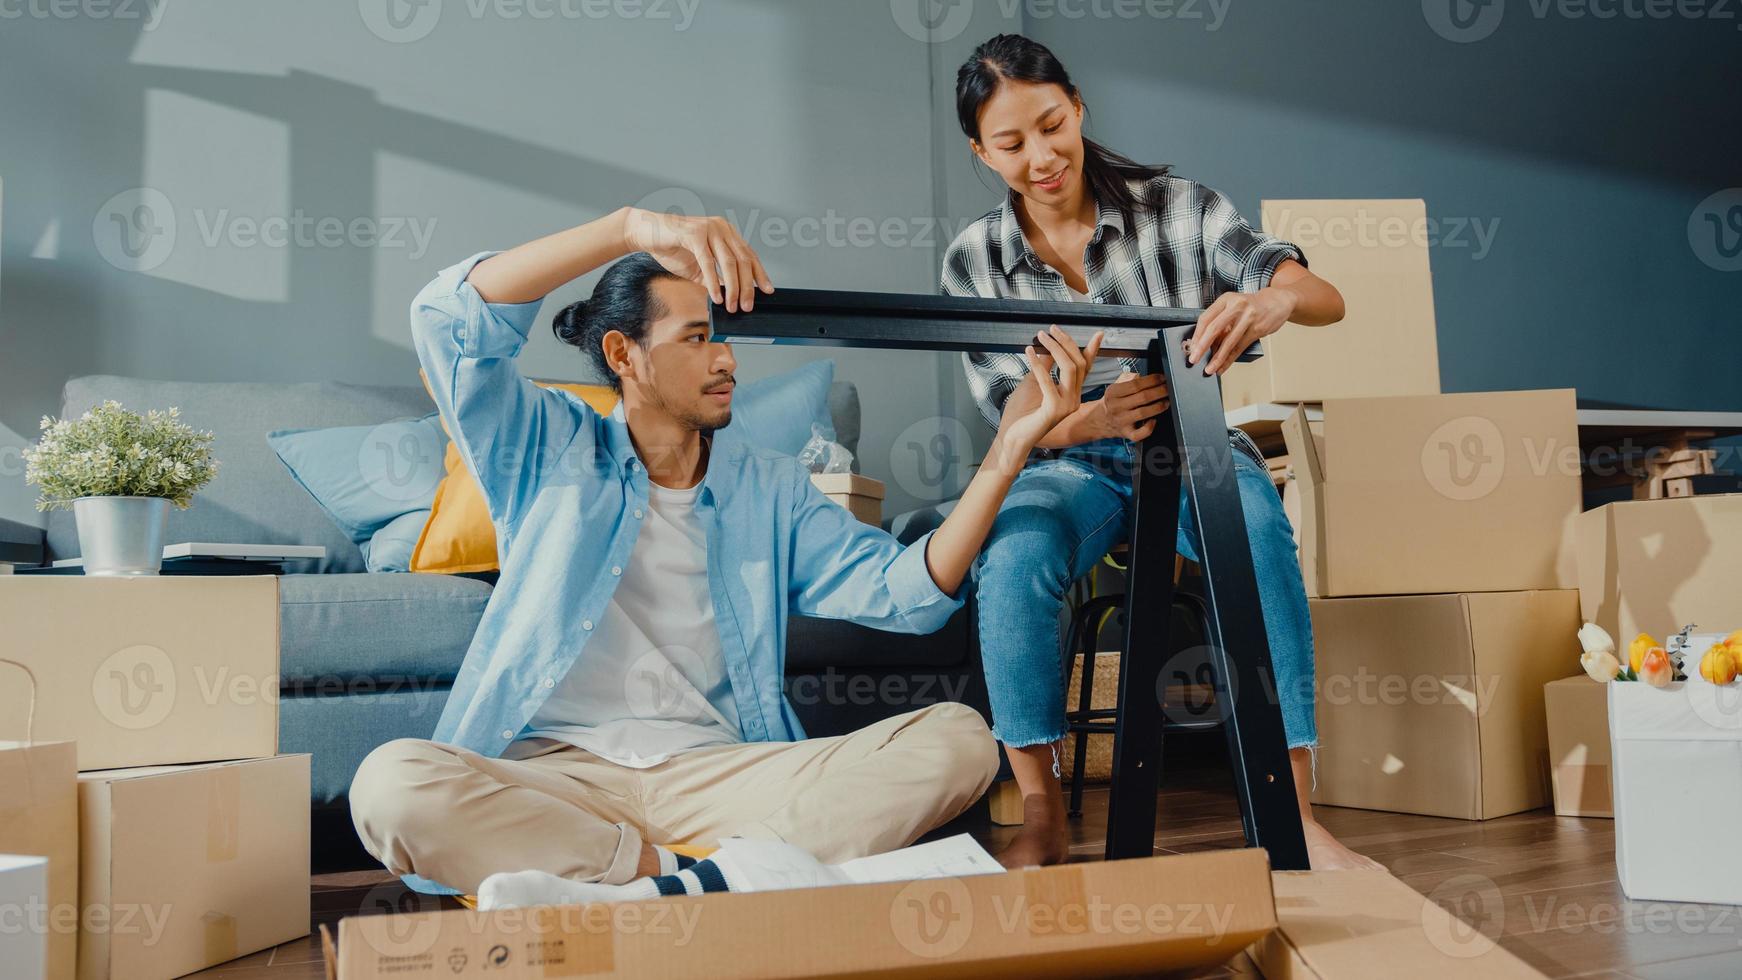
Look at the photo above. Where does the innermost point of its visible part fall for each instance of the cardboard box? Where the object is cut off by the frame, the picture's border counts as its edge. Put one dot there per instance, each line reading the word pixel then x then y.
pixel 1676 752
pixel 1433 704
pixel 861 495
pixel 1385 344
pixel 150 670
pixel 1146 915
pixel 1333 925
pixel 185 867
pixel 39 816
pixel 1654 566
pixel 1439 494
pixel 23 882
pixel 1578 746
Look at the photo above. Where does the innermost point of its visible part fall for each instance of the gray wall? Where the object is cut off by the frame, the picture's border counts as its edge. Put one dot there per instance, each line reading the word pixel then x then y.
pixel 1584 146
pixel 810 123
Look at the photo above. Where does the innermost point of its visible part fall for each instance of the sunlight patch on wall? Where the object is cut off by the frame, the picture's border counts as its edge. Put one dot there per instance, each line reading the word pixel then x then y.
pixel 445 215
pixel 223 174
pixel 48 243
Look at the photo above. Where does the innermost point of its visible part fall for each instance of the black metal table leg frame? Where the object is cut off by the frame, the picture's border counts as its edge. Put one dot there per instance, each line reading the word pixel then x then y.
pixel 1155 485
pixel 1245 686
pixel 1257 751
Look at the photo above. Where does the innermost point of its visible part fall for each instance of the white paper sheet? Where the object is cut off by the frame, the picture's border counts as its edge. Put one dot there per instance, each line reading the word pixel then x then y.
pixel 948 858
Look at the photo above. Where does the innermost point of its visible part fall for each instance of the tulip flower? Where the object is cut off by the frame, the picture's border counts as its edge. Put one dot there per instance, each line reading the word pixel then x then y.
pixel 1595 639
pixel 1601 665
pixel 1655 669
pixel 1636 650
pixel 1719 664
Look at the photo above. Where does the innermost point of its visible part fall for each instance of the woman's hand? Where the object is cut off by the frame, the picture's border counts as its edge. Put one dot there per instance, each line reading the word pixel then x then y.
pixel 1129 407
pixel 707 250
pixel 1234 322
pixel 1024 424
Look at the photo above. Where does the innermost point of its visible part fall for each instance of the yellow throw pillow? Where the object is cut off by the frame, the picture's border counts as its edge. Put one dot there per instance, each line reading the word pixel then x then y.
pixel 458 537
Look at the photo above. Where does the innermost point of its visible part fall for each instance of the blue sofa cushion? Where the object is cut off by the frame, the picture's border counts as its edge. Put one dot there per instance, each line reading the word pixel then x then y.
pixel 360 633
pixel 778 412
pixel 389 549
pixel 364 476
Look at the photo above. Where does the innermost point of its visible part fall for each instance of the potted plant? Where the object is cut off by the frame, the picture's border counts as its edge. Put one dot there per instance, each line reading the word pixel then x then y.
pixel 119 471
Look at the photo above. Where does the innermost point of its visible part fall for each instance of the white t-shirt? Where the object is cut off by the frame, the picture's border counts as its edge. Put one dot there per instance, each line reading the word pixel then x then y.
pixel 652 680
pixel 1105 370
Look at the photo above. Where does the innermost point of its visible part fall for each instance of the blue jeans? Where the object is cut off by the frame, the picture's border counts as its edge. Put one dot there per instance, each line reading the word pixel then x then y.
pixel 1060 517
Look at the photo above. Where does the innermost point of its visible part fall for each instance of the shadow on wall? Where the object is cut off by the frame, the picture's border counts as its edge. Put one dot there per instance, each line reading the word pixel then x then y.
pixel 86 121
pixel 60 318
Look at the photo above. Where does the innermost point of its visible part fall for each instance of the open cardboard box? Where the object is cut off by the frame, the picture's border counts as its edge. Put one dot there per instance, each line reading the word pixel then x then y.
pixel 1182 915
pixel 1436 494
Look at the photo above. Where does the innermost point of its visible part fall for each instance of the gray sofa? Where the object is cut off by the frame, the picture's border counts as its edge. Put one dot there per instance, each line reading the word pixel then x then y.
pixel 367 657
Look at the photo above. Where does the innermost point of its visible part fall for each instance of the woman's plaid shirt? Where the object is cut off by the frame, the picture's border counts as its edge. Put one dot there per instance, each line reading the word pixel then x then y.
pixel 1191 249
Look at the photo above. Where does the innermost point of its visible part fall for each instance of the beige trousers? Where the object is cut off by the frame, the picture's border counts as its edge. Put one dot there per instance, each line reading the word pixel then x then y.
pixel 455 816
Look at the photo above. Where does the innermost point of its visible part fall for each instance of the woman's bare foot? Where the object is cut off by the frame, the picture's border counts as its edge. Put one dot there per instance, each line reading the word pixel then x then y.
pixel 1045 837
pixel 1326 853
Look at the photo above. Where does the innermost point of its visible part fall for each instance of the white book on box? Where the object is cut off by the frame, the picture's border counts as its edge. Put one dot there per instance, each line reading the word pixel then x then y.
pixel 233 552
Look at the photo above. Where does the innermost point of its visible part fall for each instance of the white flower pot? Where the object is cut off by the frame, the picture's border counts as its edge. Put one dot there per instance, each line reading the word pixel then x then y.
pixel 121 535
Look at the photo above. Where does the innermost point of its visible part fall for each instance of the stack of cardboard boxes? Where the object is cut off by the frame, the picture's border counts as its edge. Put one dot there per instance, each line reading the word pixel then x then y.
pixel 1435 533
pixel 182 839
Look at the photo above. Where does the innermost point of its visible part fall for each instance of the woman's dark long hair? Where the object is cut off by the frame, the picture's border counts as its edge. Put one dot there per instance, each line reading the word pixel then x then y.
pixel 1012 56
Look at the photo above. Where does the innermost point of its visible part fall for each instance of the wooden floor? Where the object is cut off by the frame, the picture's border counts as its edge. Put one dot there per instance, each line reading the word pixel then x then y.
pixel 1544 885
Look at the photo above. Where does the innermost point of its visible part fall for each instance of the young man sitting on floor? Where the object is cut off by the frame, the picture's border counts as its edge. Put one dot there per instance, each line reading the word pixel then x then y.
pixel 623 688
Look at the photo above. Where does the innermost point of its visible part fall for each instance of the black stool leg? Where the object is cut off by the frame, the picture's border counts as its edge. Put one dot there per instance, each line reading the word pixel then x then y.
pixel 1081 640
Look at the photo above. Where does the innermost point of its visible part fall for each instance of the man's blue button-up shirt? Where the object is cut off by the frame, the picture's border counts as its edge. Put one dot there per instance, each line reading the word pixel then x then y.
pixel 567 497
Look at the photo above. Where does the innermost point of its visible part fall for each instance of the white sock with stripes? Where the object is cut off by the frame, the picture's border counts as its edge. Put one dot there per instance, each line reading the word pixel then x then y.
pixel 739 865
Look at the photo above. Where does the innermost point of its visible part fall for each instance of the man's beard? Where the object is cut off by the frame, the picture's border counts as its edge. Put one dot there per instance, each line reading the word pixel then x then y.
pixel 692 419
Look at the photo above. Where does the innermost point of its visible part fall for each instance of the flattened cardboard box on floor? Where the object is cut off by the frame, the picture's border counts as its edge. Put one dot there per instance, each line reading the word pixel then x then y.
pixel 1654 566
pixel 1144 916
pixel 1104 918
pixel 39 815
pixel 1334 925
pixel 1578 746
pixel 1438 494
pixel 148 670
pixel 185 867
pixel 1433 704
pixel 1377 254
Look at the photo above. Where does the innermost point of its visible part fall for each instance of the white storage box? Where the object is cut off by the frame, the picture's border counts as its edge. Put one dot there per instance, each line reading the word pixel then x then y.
pixel 1677 758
